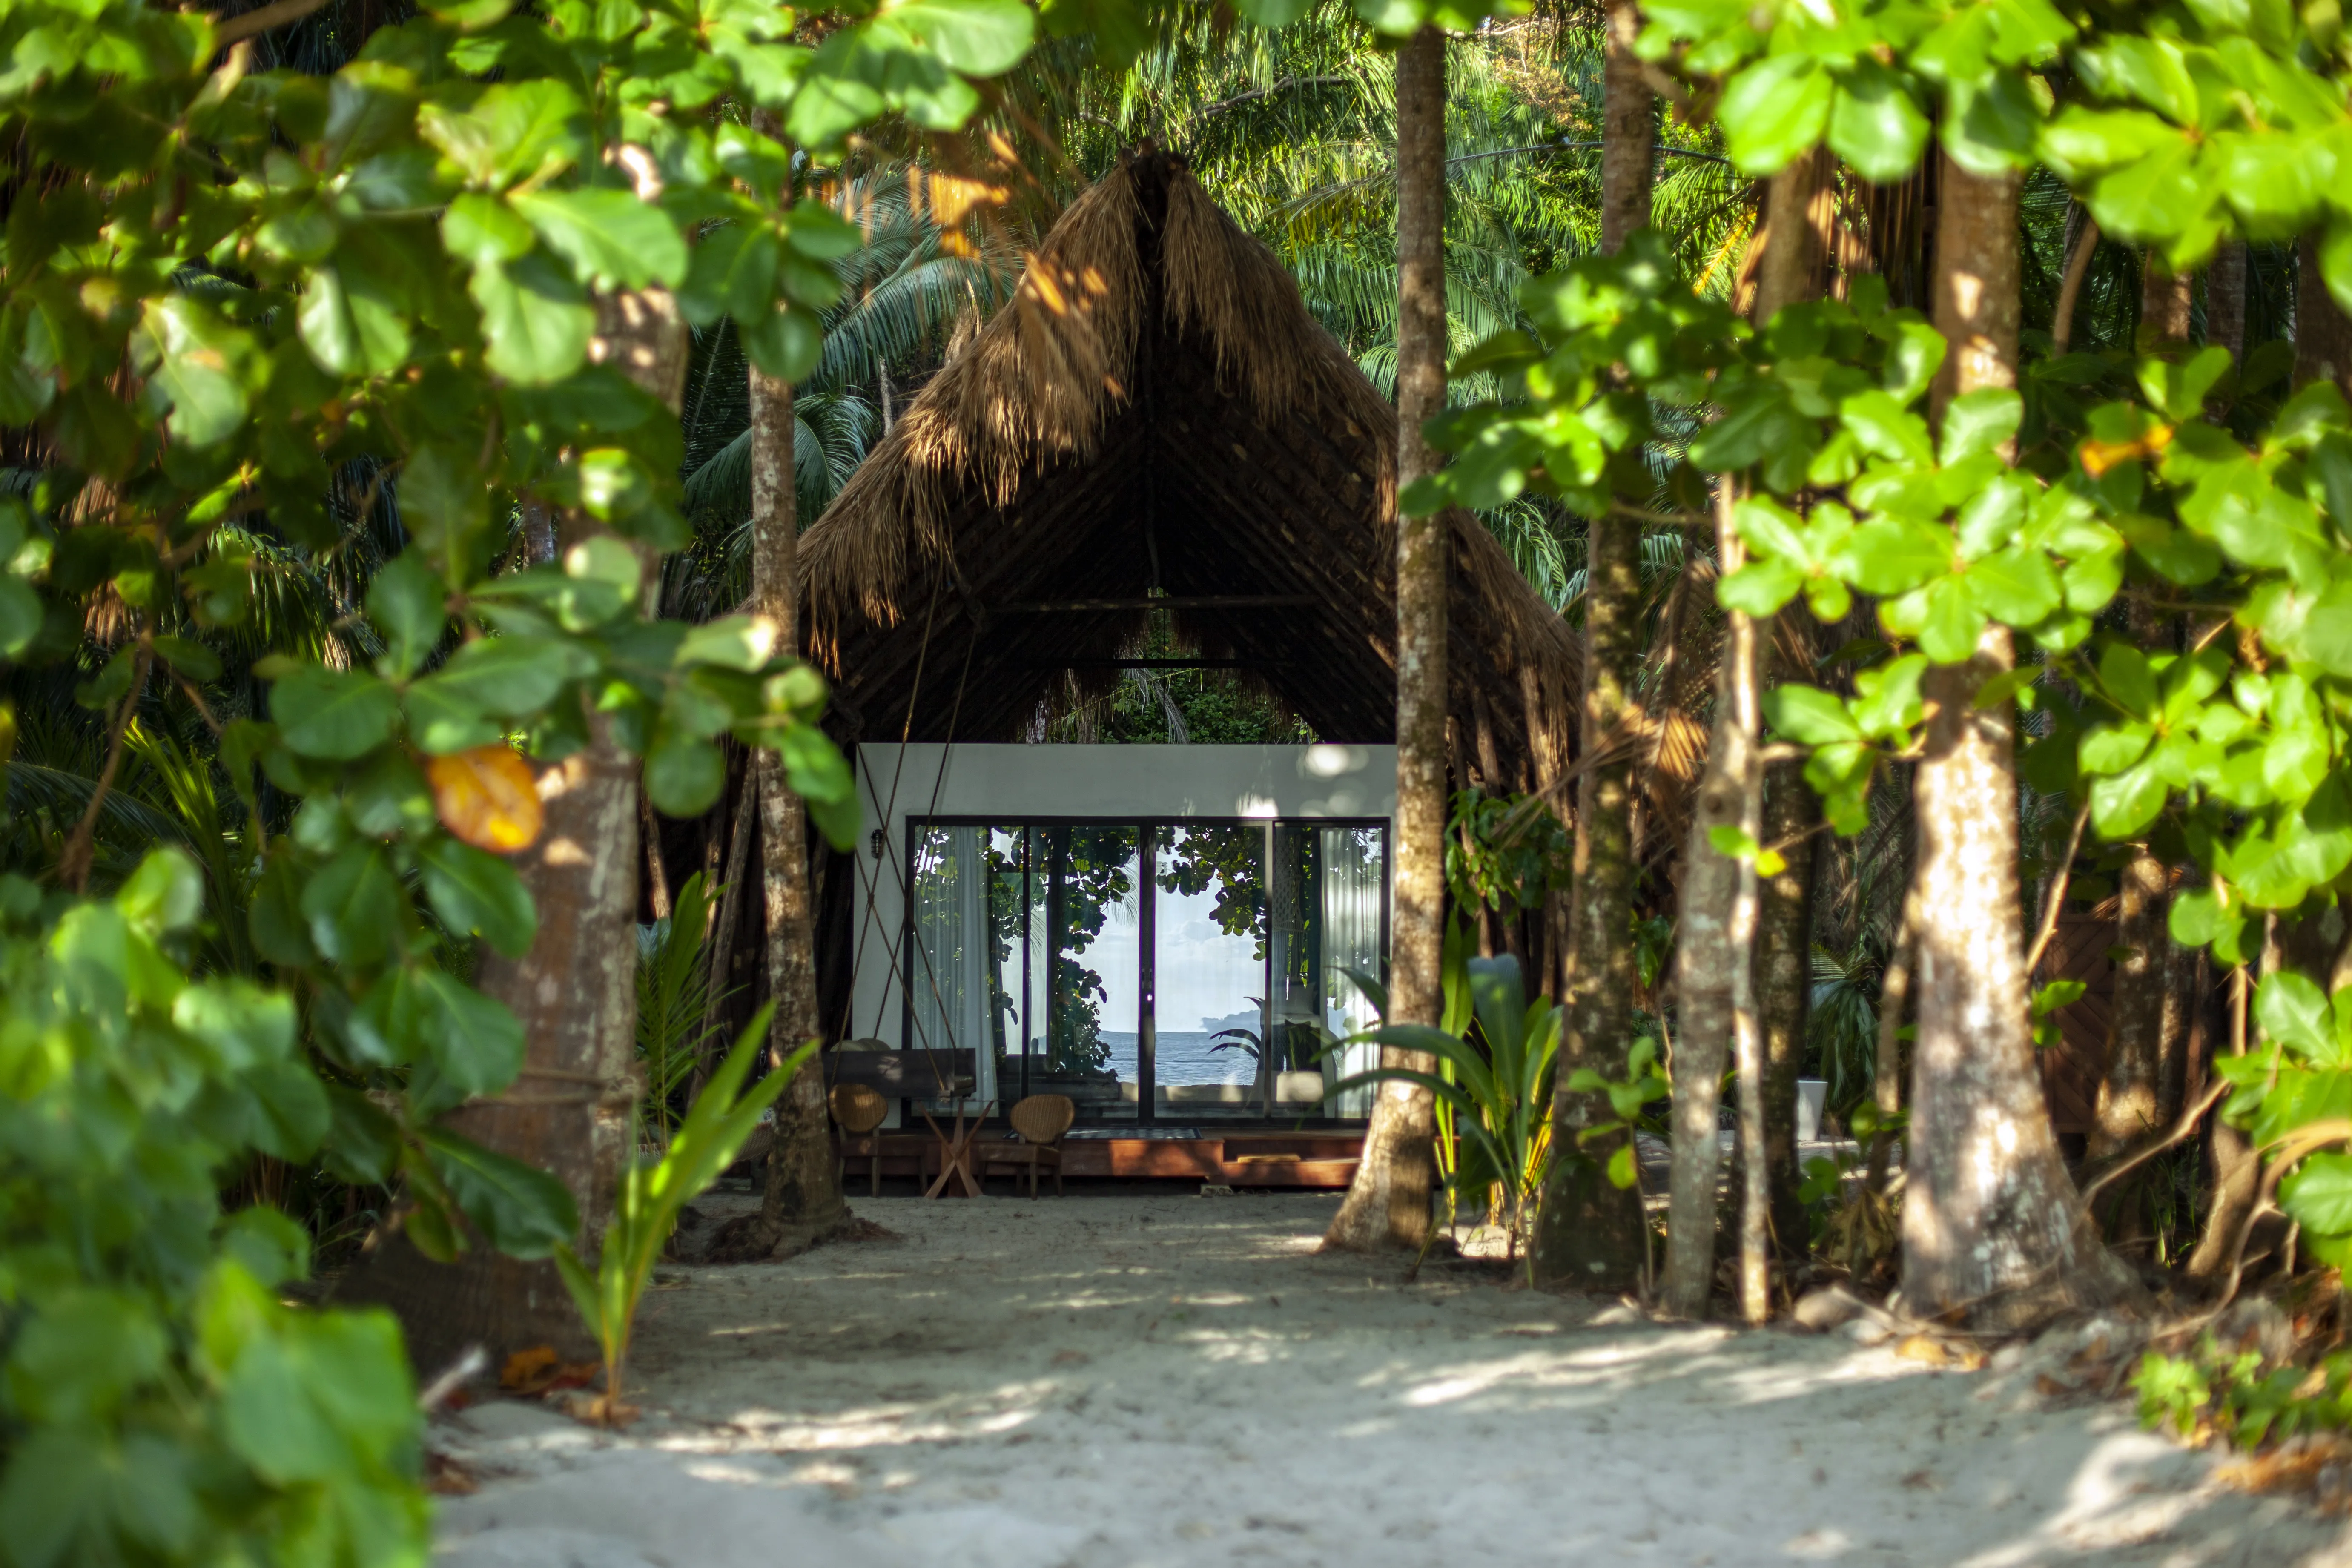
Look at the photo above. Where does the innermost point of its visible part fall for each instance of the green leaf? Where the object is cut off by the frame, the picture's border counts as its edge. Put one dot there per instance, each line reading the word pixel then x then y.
pixel 354 906
pixel 2124 673
pixel 611 237
pixel 205 370
pixel 1885 428
pixel 406 602
pixel 2318 1194
pixel 1774 110
pixel 1875 125
pixel 2291 1007
pixel 1621 1171
pixel 475 892
pixel 335 714
pixel 514 677
pixel 522 1210
pixel 2122 807
pixel 1978 421
pixel 1810 716
pixel 683 774
pixel 535 320
pixel 976 37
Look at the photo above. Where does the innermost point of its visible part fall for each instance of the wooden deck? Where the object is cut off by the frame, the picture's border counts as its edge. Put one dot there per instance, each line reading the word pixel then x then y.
pixel 1235 1160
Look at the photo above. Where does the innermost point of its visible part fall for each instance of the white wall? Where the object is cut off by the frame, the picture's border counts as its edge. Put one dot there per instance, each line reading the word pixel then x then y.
pixel 1119 782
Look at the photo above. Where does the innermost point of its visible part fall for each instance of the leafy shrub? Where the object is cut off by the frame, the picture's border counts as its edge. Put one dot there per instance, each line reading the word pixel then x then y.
pixel 161 1404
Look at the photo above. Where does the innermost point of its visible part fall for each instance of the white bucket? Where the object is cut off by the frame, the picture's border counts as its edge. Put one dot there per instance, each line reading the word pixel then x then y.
pixel 1812 1094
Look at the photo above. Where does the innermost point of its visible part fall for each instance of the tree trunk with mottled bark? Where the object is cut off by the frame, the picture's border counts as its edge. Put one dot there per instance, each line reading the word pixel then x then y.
pixel 1388 1203
pixel 1784 987
pixel 1991 1227
pixel 1591 1234
pixel 2129 1094
pixel 571 1110
pixel 1718 911
pixel 2166 301
pixel 1629 131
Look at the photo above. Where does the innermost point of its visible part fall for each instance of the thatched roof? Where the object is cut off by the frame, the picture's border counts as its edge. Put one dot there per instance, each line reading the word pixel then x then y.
pixel 1156 413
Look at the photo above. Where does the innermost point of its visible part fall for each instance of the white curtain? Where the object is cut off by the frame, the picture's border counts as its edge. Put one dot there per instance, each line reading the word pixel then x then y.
pixel 1349 859
pixel 954 957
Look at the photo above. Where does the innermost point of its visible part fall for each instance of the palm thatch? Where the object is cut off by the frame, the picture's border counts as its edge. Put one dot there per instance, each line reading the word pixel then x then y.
pixel 1156 413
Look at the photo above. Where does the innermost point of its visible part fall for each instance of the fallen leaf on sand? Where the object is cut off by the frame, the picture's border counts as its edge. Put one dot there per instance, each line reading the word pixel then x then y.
pixel 1935 1353
pixel 1071 1358
pixel 445 1477
pixel 540 1370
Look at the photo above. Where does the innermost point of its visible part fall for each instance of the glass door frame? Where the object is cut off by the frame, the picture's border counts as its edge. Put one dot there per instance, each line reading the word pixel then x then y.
pixel 1034 830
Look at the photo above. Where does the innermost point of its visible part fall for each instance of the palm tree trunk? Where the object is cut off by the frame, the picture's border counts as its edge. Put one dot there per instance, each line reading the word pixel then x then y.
pixel 1629 131
pixel 1992 1229
pixel 571 1109
pixel 1388 1203
pixel 803 1203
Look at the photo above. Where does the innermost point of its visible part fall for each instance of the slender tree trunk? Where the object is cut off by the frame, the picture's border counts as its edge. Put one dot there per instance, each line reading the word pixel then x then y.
pixel 1894 998
pixel 2166 301
pixel 1718 894
pixel 802 1204
pixel 2322 335
pixel 1590 1234
pixel 1629 131
pixel 1784 984
pixel 1388 1203
pixel 2225 299
pixel 1990 1226
pixel 2235 1169
pixel 571 1110
pixel 2127 1100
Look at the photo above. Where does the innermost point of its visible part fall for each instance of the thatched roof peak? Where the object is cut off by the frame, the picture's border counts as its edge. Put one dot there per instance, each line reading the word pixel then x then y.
pixel 1155 413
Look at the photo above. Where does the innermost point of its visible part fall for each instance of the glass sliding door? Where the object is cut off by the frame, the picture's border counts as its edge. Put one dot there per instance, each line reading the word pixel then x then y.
pixel 1093 996
pixel 1178 971
pixel 1352 908
pixel 1209 965
pixel 954 994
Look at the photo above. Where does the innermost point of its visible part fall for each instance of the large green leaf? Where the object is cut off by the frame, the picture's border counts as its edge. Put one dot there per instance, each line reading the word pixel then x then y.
pixel 1774 109
pixel 520 1209
pixel 475 891
pixel 978 38
pixel 514 677
pixel 2318 1194
pixel 335 714
pixel 354 906
pixel 610 236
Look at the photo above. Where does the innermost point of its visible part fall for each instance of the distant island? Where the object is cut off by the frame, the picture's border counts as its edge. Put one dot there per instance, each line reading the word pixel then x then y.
pixel 1249 1018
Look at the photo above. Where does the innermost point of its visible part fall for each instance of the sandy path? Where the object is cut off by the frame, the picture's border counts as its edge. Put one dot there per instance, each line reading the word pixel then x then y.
pixel 1128 1382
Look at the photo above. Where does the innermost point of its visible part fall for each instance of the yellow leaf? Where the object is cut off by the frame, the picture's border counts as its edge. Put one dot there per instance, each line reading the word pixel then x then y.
pixel 486 798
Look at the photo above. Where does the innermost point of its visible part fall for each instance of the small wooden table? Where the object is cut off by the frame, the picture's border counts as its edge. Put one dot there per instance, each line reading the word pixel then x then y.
pixel 955 1152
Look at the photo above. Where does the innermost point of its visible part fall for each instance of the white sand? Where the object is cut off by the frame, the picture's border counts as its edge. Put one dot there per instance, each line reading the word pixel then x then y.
pixel 1124 1382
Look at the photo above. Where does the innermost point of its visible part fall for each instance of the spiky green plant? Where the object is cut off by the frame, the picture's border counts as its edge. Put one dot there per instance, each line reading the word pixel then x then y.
pixel 646 1209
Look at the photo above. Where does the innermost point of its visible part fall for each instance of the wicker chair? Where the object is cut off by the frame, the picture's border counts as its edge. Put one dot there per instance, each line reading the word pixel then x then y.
pixel 858 1110
pixel 1041 1120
